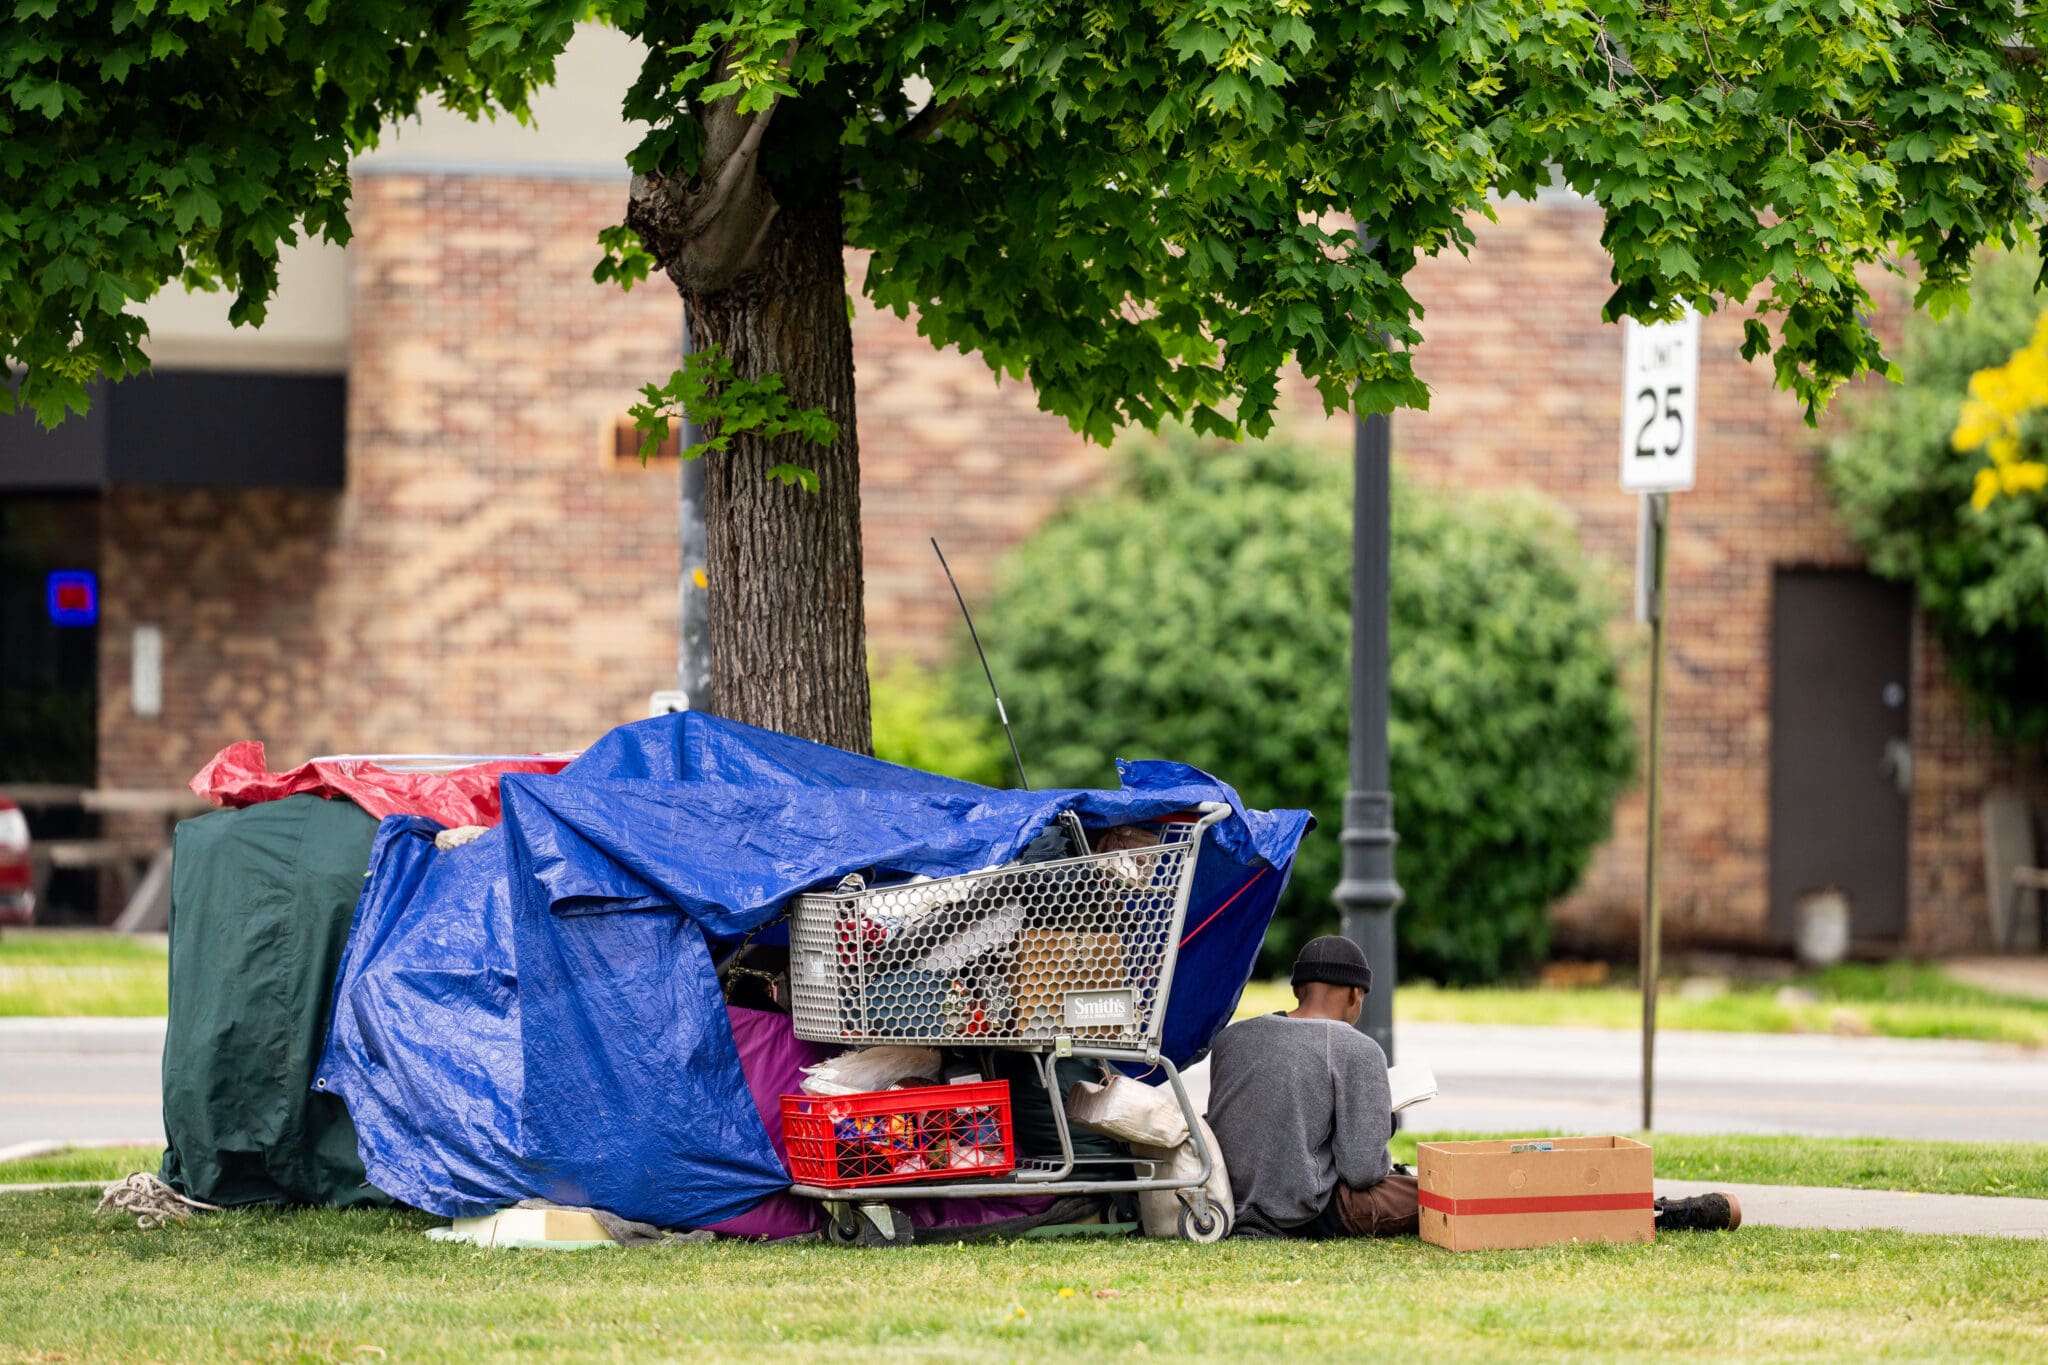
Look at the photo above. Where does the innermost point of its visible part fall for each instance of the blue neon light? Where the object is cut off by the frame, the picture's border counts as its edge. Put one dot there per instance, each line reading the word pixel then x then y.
pixel 74 597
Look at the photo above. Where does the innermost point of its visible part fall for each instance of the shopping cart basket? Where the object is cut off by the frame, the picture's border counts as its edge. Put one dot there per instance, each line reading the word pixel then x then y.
pixel 1073 957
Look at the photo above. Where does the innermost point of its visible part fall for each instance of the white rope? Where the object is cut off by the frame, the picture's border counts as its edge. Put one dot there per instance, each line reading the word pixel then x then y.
pixel 151 1201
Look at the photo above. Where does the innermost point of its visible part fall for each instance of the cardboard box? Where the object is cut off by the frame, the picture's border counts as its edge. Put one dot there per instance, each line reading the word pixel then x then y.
pixel 1123 838
pixel 1053 964
pixel 1481 1196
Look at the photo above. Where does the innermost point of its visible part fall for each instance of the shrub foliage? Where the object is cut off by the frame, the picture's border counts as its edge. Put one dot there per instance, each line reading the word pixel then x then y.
pixel 1906 492
pixel 1200 611
pixel 919 724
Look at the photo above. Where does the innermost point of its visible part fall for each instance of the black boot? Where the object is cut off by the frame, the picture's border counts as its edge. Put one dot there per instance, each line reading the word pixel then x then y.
pixel 1700 1213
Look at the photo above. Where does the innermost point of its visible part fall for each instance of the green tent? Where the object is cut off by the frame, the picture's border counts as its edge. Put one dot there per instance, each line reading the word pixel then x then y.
pixel 261 901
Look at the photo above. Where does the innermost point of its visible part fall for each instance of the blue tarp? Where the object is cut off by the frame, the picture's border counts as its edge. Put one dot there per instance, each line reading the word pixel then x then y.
pixel 537 1013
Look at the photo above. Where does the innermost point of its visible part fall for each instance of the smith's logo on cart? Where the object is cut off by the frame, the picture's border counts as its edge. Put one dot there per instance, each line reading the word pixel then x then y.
pixel 1101 1009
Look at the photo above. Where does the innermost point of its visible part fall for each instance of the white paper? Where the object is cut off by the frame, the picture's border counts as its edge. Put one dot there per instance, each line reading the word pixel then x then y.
pixel 1411 1083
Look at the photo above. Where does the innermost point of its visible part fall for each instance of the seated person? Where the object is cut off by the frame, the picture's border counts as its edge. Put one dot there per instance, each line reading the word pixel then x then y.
pixel 1302 1110
pixel 1301 1107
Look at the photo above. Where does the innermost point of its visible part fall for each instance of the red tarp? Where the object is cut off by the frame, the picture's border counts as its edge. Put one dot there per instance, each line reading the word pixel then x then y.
pixel 239 776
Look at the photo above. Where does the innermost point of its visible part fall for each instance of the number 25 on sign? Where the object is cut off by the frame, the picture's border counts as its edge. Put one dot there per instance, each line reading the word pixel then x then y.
pixel 1660 400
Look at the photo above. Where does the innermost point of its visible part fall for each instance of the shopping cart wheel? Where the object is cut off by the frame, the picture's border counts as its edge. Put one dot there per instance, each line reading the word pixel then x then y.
pixel 867 1225
pixel 842 1225
pixel 1204 1224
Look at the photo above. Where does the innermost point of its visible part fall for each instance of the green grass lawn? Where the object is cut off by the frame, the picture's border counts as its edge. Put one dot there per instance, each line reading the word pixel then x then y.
pixel 80 1163
pixel 1894 1000
pixel 365 1285
pixel 50 973
pixel 1997 1168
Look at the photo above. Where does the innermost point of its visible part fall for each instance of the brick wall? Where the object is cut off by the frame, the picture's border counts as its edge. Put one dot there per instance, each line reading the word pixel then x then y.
pixel 1954 764
pixel 512 588
pixel 232 579
pixel 946 451
pixel 492 580
pixel 1526 392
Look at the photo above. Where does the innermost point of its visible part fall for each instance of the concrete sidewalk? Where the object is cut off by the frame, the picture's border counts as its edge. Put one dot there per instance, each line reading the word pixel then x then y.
pixel 2026 977
pixel 1808 1206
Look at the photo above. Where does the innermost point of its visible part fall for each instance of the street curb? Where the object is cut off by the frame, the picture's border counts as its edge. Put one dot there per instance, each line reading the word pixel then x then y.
pixel 91 1036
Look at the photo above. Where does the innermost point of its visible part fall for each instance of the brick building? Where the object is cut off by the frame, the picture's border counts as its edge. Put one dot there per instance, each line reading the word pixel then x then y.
pixel 395 520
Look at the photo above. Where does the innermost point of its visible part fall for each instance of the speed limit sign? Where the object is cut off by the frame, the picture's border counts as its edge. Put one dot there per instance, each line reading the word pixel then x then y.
pixel 1660 370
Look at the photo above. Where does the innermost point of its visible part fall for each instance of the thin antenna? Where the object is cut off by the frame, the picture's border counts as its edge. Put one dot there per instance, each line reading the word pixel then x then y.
pixel 975 636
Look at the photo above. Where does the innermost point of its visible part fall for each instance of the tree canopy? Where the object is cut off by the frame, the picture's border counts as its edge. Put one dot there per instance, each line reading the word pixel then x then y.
pixel 150 141
pixel 1142 208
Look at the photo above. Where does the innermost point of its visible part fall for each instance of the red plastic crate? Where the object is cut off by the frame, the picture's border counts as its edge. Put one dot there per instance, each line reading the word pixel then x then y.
pixel 898 1137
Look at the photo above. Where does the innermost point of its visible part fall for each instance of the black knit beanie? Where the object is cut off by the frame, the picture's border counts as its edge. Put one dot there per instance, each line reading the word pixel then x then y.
pixel 1335 959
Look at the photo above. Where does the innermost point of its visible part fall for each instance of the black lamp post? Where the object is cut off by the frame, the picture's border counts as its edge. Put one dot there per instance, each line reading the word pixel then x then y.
pixel 1367 894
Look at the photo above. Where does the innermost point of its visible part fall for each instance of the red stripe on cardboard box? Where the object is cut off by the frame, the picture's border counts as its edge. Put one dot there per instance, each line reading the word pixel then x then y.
pixel 1539 1203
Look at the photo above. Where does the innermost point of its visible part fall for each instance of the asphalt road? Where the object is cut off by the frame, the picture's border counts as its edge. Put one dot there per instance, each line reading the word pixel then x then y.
pixel 1589 1080
pixel 97 1080
pixel 81 1080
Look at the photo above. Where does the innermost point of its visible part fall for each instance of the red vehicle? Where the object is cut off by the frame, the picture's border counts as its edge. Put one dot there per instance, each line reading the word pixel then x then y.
pixel 17 889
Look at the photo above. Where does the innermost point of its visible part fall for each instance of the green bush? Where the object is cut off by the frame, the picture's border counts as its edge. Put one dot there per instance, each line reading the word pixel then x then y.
pixel 1200 611
pixel 918 725
pixel 1981 574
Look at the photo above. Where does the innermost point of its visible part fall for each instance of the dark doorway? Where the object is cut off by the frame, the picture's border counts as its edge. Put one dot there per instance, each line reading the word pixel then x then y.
pixel 1841 769
pixel 49 648
pixel 49 680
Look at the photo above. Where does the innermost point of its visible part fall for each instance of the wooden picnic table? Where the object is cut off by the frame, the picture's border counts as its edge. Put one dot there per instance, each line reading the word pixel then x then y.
pixel 145 858
pixel 173 803
pixel 43 794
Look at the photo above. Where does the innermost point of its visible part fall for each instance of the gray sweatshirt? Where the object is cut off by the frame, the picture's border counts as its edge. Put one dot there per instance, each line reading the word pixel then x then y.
pixel 1297 1105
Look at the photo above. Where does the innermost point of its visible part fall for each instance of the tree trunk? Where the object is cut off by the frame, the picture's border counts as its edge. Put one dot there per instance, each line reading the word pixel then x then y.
pixel 788 642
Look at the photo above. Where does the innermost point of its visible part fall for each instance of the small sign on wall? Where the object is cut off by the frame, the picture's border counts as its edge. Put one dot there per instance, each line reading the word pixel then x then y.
pixel 146 671
pixel 73 597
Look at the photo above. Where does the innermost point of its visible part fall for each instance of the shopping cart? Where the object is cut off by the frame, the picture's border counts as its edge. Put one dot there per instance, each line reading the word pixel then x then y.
pixel 1069 958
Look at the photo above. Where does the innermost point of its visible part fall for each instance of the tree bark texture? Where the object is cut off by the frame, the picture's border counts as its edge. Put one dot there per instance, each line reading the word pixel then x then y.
pixel 788 638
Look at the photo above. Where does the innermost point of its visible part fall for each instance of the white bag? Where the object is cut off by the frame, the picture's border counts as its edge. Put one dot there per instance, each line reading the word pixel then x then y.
pixel 1159 1210
pixel 870 1068
pixel 1129 1111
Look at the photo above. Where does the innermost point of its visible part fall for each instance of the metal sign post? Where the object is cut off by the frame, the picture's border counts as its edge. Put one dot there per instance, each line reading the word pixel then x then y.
pixel 1658 507
pixel 1660 408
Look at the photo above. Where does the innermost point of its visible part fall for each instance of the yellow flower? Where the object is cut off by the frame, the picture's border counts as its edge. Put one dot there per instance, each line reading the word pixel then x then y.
pixel 1991 419
pixel 1974 426
pixel 2029 476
